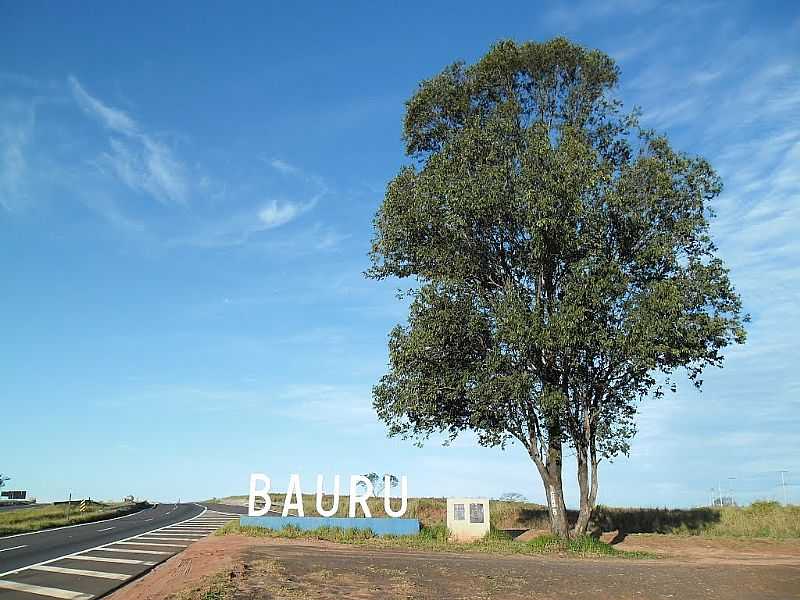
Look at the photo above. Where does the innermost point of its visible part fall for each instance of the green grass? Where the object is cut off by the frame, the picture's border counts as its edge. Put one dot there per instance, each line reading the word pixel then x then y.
pixel 25 520
pixel 761 519
pixel 504 515
pixel 434 538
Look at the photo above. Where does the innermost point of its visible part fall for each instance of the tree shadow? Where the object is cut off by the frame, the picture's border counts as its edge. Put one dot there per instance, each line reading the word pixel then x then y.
pixel 623 521
pixel 652 520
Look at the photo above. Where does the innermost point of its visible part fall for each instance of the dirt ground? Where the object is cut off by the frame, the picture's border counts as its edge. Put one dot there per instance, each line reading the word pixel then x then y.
pixel 693 568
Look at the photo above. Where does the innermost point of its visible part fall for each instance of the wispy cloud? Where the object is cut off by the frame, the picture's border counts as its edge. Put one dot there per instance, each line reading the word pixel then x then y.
pixel 114 119
pixel 283 166
pixel 275 214
pixel 343 406
pixel 138 159
pixel 16 129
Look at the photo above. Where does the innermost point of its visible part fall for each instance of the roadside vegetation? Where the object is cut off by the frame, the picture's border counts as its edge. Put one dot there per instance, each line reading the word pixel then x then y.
pixel 25 520
pixel 435 538
pixel 765 519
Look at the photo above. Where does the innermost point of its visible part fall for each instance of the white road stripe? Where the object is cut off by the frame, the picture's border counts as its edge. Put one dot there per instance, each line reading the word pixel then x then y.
pixel 189 531
pixel 157 539
pixel 131 550
pixel 83 572
pixel 106 529
pixel 14 548
pixel 122 561
pixel 44 591
pixel 149 544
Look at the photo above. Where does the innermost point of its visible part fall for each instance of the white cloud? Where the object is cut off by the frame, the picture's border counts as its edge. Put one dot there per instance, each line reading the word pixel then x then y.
pixel 17 121
pixel 276 214
pixel 283 166
pixel 112 118
pixel 335 405
pixel 139 160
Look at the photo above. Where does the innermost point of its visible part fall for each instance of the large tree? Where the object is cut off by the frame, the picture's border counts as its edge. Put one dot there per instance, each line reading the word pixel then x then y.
pixel 560 261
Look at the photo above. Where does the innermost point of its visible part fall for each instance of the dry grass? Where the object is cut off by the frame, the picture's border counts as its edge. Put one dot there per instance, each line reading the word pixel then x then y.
pixel 435 539
pixel 429 511
pixel 761 519
pixel 45 517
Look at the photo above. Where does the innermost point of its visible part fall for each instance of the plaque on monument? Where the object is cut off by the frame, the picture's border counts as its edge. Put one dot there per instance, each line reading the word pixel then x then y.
pixel 476 513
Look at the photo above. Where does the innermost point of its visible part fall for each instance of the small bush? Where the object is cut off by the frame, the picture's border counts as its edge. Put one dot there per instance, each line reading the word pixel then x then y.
pixel 436 532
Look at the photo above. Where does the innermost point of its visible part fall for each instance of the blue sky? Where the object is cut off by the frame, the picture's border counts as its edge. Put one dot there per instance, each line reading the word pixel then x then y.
pixel 186 199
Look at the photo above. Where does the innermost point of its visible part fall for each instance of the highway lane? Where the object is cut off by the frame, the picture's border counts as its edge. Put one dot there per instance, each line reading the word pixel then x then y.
pixel 89 560
pixel 50 543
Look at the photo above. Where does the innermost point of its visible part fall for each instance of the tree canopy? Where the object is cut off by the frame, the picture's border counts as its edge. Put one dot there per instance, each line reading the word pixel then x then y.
pixel 561 258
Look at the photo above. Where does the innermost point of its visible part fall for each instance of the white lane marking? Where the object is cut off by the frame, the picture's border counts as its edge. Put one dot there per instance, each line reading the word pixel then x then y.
pixel 123 561
pixel 83 572
pixel 150 519
pixel 5 537
pixel 193 536
pixel 166 539
pixel 149 544
pixel 44 591
pixel 14 548
pixel 131 550
pixel 106 529
pixel 186 532
pixel 74 554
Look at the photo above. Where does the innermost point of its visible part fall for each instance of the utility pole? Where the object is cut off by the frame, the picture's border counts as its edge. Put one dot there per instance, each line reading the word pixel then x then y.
pixel 783 485
pixel 730 485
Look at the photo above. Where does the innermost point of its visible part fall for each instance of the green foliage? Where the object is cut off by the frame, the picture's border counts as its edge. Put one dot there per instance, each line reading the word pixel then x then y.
pixel 561 255
pixel 379 481
pixel 436 532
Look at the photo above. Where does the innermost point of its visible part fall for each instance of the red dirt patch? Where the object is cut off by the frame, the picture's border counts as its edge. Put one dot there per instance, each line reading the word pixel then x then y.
pixel 203 558
pixel 269 568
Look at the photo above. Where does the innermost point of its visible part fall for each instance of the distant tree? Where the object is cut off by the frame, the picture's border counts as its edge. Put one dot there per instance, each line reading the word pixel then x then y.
pixel 561 261
pixel 513 497
pixel 377 482
pixel 3 479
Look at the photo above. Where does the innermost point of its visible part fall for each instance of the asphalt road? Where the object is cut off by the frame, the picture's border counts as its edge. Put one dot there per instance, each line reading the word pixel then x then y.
pixel 86 561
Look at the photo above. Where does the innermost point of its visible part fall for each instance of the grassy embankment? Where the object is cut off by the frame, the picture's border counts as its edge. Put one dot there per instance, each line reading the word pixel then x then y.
pixel 434 538
pixel 761 519
pixel 45 517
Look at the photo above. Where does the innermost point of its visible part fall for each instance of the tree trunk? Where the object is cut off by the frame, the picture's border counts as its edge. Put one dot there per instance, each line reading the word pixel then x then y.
pixel 550 472
pixel 587 489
